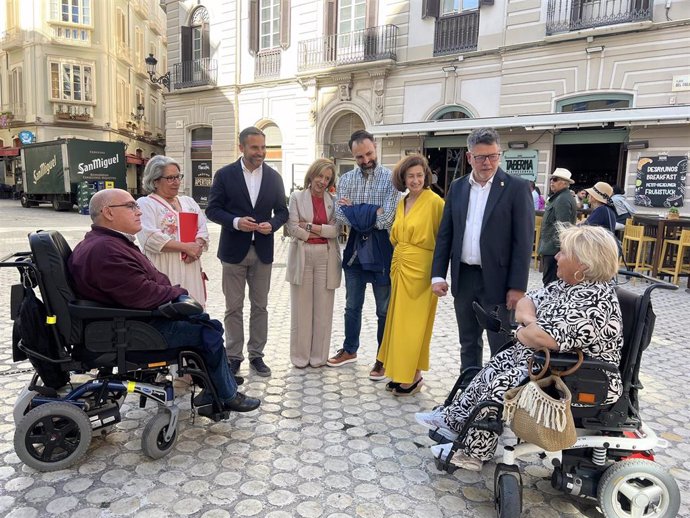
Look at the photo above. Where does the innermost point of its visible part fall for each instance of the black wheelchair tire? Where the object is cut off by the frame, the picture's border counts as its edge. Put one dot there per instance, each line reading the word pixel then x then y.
pixel 642 473
pixel 153 442
pixel 70 436
pixel 508 496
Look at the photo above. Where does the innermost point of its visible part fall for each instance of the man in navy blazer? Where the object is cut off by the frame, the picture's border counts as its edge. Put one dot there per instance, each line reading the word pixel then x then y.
pixel 247 199
pixel 486 234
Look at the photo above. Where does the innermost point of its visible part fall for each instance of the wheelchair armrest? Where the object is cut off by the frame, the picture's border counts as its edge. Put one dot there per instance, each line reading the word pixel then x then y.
pixel 89 310
pixel 182 307
pixel 567 360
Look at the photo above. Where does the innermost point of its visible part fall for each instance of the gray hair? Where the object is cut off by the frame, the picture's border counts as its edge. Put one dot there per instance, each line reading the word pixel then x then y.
pixel 483 136
pixel 99 201
pixel 592 246
pixel 154 170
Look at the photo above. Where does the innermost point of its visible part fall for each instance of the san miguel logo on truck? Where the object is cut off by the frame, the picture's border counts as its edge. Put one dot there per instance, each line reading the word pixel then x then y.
pixel 44 168
pixel 97 163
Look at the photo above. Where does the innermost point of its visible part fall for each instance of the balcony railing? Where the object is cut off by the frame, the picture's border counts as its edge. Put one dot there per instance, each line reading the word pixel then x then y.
pixel 14 111
pixel 188 74
pixel 572 15
pixel 267 63
pixel 372 44
pixel 72 112
pixel 457 33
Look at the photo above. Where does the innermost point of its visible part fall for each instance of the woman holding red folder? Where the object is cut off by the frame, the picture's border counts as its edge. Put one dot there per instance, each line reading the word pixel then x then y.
pixel 173 234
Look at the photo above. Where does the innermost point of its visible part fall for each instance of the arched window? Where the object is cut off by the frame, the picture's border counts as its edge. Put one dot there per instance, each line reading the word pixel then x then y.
pixel 195 37
pixel 452 112
pixel 584 103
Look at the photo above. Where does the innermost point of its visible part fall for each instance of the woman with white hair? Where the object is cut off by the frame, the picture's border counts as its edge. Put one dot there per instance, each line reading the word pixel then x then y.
pixel 580 311
pixel 174 252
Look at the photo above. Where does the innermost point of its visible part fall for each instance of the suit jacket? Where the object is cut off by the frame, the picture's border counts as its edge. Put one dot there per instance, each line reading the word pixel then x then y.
pixel 229 199
pixel 506 237
pixel 301 208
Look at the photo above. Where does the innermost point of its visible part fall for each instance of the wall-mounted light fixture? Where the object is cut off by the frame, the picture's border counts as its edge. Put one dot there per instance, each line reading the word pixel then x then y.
pixel 164 80
pixel 449 69
pixel 518 144
pixel 637 144
pixel 594 50
pixel 139 114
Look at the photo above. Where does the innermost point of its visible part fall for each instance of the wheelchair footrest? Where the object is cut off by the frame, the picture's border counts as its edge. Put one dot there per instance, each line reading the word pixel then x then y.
pixel 209 412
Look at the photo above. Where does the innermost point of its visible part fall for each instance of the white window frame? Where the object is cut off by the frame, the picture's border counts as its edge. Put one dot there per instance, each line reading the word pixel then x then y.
pixel 71 64
pixel 16 93
pixel 269 12
pixel 451 7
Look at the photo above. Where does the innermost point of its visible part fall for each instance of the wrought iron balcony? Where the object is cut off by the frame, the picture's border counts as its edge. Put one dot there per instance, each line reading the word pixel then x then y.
pixel 572 15
pixel 267 63
pixel 456 34
pixel 372 44
pixel 189 74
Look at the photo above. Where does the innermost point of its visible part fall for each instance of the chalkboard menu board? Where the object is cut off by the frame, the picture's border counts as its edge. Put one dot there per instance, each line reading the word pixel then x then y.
pixel 201 181
pixel 661 181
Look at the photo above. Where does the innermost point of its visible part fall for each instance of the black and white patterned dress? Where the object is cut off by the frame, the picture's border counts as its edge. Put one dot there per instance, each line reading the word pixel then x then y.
pixel 584 316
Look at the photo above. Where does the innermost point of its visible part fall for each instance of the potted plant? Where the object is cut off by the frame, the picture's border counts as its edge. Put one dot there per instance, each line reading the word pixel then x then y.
pixel 673 213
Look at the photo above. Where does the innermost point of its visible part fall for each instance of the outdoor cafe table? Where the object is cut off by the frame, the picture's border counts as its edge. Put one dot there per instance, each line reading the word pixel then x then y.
pixel 660 228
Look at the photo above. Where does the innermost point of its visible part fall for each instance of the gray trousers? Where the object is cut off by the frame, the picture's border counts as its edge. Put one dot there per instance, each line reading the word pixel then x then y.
pixel 257 276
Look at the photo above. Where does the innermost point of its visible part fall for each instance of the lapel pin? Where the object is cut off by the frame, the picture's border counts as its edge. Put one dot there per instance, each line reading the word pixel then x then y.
pixel 502 184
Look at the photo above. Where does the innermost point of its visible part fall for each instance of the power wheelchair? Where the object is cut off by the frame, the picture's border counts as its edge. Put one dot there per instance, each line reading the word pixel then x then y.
pixel 612 459
pixel 55 419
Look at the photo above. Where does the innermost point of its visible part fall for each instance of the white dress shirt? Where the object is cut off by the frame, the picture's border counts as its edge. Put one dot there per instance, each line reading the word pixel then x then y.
pixel 253 181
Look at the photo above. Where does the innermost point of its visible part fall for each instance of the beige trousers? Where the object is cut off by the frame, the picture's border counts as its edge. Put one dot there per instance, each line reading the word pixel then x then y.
pixel 257 276
pixel 312 310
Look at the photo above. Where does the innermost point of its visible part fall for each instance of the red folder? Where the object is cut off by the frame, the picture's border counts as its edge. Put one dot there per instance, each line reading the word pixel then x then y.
pixel 189 222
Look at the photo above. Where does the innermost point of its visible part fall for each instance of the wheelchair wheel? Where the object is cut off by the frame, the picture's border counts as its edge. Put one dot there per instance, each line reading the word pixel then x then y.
pixel 153 441
pixel 52 436
pixel 639 488
pixel 508 496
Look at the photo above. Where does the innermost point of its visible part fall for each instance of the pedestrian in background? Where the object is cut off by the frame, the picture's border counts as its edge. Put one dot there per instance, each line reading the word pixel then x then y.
pixel 367 194
pixel 160 234
pixel 313 265
pixel 561 208
pixel 603 214
pixel 247 199
pixel 412 306
pixel 486 234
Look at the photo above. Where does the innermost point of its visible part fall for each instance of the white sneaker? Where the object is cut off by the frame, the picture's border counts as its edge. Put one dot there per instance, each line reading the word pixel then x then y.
pixel 434 421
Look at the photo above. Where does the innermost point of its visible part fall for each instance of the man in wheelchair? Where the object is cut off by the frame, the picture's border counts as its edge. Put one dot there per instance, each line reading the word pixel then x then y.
pixel 108 268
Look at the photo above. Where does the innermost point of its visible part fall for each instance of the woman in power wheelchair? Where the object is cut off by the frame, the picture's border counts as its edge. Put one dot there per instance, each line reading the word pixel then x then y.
pixel 611 459
pixel 54 423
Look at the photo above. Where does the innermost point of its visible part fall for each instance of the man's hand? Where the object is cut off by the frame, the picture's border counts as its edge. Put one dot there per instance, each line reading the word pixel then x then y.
pixel 264 228
pixel 512 298
pixel 440 289
pixel 247 224
pixel 344 201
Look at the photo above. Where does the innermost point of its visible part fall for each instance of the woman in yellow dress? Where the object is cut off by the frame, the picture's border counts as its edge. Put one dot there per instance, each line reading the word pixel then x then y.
pixel 412 307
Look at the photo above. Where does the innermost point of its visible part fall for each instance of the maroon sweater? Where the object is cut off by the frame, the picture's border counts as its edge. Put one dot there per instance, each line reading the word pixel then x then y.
pixel 108 268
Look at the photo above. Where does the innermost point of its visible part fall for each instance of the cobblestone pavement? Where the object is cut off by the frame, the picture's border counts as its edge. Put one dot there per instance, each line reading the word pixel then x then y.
pixel 325 442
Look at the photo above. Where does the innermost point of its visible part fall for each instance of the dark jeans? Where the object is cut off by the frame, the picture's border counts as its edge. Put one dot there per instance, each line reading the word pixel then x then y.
pixel 471 289
pixel 205 336
pixel 548 263
pixel 355 286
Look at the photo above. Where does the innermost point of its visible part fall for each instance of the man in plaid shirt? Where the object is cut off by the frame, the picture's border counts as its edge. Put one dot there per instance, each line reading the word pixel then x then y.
pixel 369 183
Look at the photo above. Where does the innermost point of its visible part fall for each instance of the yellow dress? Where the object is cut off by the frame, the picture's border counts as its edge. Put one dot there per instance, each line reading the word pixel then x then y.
pixel 412 306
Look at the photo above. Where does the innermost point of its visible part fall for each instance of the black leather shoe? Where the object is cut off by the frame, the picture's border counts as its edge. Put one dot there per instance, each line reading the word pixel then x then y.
pixel 234 365
pixel 241 403
pixel 258 365
pixel 238 380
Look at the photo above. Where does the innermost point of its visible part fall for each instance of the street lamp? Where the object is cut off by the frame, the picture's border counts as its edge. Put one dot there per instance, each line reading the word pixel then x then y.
pixel 164 80
pixel 140 113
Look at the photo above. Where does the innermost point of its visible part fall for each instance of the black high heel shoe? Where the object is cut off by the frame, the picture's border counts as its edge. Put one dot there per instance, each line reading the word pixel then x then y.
pixel 412 389
pixel 391 386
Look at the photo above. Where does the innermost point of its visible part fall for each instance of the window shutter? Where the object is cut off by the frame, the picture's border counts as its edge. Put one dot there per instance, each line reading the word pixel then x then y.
pixel 185 44
pixel 205 44
pixel 330 17
pixel 284 24
pixel 253 27
pixel 372 11
pixel 431 8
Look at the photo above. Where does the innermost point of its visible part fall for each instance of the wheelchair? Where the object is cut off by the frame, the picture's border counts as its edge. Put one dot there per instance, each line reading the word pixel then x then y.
pixel 612 459
pixel 55 419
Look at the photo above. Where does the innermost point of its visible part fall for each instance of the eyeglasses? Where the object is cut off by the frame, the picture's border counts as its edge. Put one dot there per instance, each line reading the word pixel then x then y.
pixel 554 179
pixel 483 158
pixel 171 179
pixel 132 205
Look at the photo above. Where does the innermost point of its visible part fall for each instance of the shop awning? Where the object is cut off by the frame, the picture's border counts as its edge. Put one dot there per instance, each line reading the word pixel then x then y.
pixel 9 151
pixel 589 119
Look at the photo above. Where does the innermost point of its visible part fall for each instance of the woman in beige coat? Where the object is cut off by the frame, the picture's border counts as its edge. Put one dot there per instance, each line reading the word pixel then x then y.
pixel 313 265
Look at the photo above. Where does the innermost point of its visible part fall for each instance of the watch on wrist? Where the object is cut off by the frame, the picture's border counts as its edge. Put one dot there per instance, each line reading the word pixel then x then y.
pixel 308 227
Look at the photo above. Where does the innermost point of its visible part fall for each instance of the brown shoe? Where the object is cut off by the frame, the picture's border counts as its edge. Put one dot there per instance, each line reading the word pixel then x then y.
pixel 378 373
pixel 341 358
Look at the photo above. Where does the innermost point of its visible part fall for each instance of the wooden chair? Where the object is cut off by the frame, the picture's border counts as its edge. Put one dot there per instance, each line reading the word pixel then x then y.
pixel 682 265
pixel 634 234
pixel 537 235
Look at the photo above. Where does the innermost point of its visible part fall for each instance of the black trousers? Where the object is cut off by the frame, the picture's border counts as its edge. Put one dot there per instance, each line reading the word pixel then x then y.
pixel 471 289
pixel 548 274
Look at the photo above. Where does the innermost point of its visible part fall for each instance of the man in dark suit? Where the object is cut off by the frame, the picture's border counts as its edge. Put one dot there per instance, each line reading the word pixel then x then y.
pixel 247 199
pixel 486 233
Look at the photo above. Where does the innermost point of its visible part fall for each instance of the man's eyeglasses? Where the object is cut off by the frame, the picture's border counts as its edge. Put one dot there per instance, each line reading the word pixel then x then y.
pixel 483 158
pixel 171 179
pixel 554 179
pixel 132 205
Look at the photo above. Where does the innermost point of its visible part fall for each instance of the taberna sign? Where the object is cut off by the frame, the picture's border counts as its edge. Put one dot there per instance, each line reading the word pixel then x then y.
pixel 521 162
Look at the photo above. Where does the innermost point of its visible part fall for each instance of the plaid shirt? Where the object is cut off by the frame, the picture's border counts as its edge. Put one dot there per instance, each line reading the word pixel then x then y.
pixel 376 189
